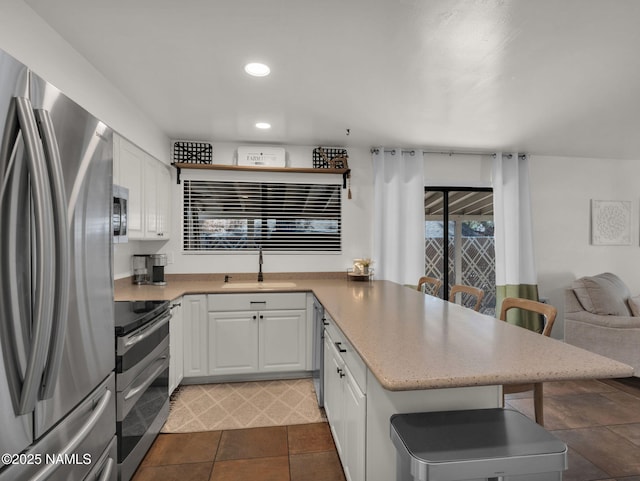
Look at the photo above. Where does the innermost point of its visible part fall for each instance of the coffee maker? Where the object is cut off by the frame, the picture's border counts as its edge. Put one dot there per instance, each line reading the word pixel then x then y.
pixel 155 269
pixel 149 269
pixel 139 269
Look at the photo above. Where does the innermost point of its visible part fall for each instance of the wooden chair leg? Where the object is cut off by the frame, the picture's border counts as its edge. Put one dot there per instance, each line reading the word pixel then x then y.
pixel 538 403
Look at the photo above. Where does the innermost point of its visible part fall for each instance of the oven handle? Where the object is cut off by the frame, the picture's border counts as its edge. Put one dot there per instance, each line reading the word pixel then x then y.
pixel 147 382
pixel 153 327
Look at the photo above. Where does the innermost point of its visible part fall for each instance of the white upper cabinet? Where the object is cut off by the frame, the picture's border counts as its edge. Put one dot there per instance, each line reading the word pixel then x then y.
pixel 149 184
pixel 157 193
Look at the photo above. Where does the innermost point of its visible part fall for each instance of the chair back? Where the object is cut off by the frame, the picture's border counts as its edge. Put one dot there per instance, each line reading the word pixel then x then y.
pixel 429 282
pixel 548 311
pixel 474 292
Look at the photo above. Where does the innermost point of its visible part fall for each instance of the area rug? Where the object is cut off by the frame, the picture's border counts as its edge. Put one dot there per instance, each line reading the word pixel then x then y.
pixel 213 407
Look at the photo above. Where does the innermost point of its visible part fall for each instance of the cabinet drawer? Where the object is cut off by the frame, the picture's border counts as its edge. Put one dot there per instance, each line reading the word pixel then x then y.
pixel 257 302
pixel 349 355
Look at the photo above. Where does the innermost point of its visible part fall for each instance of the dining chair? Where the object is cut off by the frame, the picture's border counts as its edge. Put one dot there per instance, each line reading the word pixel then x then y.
pixel 549 312
pixel 430 283
pixel 463 290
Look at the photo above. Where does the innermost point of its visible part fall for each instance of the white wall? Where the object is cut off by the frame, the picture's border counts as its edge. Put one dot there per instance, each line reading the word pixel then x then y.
pixel 457 170
pixel 561 191
pixel 25 36
pixel 357 238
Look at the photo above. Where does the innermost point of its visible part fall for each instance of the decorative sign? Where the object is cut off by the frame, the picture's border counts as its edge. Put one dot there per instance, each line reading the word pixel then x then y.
pixel 262 156
pixel 610 222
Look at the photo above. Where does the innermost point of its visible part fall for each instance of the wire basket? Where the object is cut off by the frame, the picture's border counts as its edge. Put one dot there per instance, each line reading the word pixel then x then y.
pixel 189 152
pixel 330 158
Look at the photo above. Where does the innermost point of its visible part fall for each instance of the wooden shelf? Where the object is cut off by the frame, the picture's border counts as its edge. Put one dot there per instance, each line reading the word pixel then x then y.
pixel 245 168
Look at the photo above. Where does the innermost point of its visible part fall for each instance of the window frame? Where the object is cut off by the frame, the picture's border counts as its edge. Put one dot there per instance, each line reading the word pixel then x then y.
pixel 276 243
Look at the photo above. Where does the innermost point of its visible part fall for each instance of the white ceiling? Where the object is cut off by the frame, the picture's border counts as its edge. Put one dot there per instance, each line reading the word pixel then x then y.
pixel 559 77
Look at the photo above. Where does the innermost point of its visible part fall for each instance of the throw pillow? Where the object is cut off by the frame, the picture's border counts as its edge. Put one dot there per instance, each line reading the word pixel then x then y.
pixel 604 294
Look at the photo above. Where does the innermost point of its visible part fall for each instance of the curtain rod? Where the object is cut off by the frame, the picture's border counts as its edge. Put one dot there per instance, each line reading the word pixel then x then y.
pixel 449 153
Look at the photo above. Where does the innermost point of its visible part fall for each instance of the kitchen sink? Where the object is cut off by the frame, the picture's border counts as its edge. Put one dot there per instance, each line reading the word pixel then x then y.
pixel 258 285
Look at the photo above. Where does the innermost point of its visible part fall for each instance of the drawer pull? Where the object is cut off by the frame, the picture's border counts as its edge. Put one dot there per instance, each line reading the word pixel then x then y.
pixel 339 347
pixel 340 372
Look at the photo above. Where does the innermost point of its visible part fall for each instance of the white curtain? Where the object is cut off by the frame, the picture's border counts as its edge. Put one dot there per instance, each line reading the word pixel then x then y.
pixel 515 262
pixel 398 247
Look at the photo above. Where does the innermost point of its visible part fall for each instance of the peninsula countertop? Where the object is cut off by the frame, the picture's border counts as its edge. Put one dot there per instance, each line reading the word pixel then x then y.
pixel 412 341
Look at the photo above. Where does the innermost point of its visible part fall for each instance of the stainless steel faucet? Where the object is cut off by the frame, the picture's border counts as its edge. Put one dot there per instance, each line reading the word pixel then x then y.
pixel 260 261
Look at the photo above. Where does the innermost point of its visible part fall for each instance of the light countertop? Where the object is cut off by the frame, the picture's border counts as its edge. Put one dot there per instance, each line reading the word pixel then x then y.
pixel 412 341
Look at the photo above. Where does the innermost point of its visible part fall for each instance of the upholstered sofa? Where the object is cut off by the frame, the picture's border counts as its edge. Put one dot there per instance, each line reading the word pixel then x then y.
pixel 601 316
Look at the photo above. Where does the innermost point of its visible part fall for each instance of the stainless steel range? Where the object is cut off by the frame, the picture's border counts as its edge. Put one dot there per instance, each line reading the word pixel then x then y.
pixel 142 378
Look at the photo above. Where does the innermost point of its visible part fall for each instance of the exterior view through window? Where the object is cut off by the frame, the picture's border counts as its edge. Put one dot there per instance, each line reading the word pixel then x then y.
pixel 464 217
pixel 240 216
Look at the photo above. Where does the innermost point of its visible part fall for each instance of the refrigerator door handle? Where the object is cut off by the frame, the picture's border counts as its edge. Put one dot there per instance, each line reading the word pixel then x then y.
pixel 80 436
pixel 44 251
pixel 15 318
pixel 62 252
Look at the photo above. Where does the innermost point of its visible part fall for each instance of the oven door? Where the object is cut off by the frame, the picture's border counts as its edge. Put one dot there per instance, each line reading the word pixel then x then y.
pixel 142 408
pixel 134 351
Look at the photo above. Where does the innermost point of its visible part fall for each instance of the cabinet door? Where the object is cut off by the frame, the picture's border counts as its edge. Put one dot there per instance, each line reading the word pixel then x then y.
pixel 176 346
pixel 355 426
pixel 157 190
pixel 163 208
pixel 151 199
pixel 195 356
pixel 132 163
pixel 334 392
pixel 233 342
pixel 282 337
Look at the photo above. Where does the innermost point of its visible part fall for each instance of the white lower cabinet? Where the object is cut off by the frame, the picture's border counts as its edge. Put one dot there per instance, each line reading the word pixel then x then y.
pixel 233 342
pixel 247 342
pixel 282 340
pixel 334 392
pixel 196 351
pixel 345 406
pixel 355 429
pixel 176 345
pixel 244 335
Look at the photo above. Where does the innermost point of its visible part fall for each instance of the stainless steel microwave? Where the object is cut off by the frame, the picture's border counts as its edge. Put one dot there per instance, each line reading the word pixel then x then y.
pixel 119 216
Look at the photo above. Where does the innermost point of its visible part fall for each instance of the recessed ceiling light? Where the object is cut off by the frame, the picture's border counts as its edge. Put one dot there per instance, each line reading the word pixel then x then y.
pixel 263 125
pixel 257 69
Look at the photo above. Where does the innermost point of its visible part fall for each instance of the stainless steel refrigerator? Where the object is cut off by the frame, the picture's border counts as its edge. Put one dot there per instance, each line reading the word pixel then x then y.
pixel 57 410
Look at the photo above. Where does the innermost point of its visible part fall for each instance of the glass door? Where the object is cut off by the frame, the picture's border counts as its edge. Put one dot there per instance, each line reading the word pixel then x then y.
pixel 459 241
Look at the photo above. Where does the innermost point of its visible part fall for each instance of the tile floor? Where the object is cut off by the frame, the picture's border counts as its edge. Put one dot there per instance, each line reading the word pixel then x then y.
pixel 599 420
pixel 301 452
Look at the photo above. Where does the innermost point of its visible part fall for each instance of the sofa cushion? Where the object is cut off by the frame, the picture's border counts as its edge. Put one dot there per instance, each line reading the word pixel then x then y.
pixel 604 294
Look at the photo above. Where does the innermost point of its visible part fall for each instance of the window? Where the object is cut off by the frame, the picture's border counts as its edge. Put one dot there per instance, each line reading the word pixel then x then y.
pixel 463 216
pixel 237 216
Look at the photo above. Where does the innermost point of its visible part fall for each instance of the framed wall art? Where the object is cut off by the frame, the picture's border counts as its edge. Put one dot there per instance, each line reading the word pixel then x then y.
pixel 610 222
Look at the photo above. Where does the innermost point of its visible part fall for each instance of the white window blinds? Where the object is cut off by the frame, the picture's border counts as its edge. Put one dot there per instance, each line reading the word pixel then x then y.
pixel 227 216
